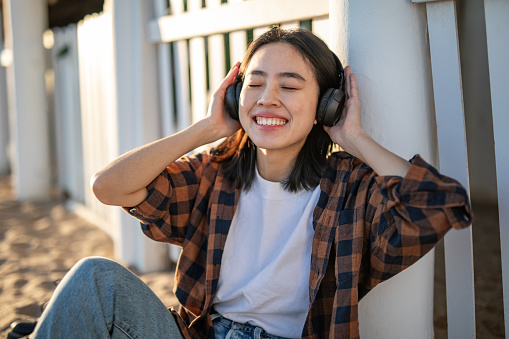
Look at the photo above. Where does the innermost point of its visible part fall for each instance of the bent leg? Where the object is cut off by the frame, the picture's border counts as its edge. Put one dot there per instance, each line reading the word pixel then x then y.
pixel 100 298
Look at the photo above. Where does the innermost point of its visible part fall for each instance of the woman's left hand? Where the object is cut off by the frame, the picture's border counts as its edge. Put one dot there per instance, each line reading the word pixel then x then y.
pixel 349 134
pixel 348 127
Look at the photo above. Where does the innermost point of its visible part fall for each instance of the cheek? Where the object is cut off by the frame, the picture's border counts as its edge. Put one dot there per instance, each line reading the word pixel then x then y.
pixel 246 102
pixel 310 108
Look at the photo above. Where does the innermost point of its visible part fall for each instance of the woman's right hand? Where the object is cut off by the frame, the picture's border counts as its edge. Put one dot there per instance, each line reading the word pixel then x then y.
pixel 123 181
pixel 218 119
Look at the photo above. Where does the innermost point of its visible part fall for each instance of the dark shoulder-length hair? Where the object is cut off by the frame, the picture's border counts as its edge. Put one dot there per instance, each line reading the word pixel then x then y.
pixel 238 153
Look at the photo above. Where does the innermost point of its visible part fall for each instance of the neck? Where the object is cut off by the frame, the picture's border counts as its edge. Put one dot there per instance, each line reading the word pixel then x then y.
pixel 273 165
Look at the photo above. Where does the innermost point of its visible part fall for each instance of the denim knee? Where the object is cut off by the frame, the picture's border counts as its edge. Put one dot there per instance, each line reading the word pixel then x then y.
pixel 95 267
pixel 91 264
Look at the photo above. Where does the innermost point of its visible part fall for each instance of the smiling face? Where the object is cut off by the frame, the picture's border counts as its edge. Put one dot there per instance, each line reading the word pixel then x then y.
pixel 278 99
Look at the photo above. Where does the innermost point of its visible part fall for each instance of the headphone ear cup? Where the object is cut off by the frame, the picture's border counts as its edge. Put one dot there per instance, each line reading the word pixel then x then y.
pixel 330 107
pixel 232 98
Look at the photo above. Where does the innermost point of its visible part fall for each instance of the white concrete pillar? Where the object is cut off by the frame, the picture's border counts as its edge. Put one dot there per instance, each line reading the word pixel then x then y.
pixel 25 22
pixel 385 44
pixel 138 118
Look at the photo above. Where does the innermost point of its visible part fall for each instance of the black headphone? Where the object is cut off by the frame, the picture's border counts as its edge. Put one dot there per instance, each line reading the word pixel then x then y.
pixel 330 105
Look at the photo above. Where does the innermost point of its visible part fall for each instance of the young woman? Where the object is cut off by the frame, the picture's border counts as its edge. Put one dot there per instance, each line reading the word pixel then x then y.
pixel 280 237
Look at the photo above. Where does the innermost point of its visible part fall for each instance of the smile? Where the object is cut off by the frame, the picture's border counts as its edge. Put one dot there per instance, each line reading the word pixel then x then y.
pixel 270 121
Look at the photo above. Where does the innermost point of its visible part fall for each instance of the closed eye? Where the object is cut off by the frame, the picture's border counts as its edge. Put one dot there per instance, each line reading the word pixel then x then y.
pixel 289 88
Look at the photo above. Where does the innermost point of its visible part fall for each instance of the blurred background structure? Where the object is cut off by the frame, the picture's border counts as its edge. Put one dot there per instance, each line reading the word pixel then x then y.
pixel 83 82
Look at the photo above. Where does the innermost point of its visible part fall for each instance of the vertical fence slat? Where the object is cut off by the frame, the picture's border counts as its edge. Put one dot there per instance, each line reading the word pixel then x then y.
pixel 198 71
pixel 67 112
pixel 75 161
pixel 238 42
pixel 217 65
pixel 59 68
pixel 165 78
pixel 444 51
pixel 181 67
pixel 497 32
pixel 84 73
pixel 4 111
pixel 259 31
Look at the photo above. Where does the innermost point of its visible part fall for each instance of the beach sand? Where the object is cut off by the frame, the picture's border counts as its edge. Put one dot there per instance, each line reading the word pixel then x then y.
pixel 40 242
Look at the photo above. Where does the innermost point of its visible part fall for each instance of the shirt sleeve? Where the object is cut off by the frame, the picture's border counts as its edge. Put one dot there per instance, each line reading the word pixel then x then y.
pixel 410 215
pixel 165 213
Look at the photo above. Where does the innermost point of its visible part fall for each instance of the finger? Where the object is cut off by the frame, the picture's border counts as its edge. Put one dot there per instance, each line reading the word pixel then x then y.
pixel 347 72
pixel 354 93
pixel 230 77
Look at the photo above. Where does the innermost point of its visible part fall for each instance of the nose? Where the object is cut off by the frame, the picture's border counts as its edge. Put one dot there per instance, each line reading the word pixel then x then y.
pixel 269 97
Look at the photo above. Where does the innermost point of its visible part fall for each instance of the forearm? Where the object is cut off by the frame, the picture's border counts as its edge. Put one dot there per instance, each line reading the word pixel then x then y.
pixel 123 181
pixel 381 160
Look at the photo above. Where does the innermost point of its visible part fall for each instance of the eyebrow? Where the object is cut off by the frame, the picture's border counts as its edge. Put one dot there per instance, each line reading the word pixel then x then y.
pixel 279 75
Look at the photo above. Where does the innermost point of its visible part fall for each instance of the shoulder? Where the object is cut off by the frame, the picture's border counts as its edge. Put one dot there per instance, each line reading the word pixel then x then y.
pixel 345 165
pixel 195 162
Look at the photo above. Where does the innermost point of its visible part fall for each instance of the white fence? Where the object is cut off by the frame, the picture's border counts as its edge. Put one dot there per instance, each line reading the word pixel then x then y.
pixel 192 61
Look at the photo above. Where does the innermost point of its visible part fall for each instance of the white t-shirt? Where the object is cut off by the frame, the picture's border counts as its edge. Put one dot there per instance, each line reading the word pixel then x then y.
pixel 264 277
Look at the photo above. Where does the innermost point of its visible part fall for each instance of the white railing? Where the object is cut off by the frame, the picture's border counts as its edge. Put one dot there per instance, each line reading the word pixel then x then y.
pixel 497 33
pixel 191 63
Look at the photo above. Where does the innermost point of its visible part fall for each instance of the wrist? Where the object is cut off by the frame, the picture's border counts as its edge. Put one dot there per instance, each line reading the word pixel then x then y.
pixel 355 141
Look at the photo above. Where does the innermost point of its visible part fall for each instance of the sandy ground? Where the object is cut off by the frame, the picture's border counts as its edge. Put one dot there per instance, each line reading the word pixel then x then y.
pixel 40 242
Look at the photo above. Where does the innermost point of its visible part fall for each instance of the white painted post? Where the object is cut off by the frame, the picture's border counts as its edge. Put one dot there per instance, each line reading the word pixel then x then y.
pixel 198 71
pixel 25 23
pixel 182 96
pixel 497 33
pixel 459 261
pixel 385 44
pixel 137 114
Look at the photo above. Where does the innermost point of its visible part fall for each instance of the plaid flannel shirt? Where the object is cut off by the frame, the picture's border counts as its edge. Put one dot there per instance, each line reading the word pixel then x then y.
pixel 367 229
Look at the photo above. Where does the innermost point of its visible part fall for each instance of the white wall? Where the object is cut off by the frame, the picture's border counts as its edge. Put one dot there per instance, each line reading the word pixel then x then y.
pixel 385 44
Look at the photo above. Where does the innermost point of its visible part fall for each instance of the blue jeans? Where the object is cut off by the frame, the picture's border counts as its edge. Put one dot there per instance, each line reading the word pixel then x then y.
pixel 99 298
pixel 228 329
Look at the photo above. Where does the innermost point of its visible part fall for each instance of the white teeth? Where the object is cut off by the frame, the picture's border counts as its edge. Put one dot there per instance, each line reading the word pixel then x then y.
pixel 270 121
